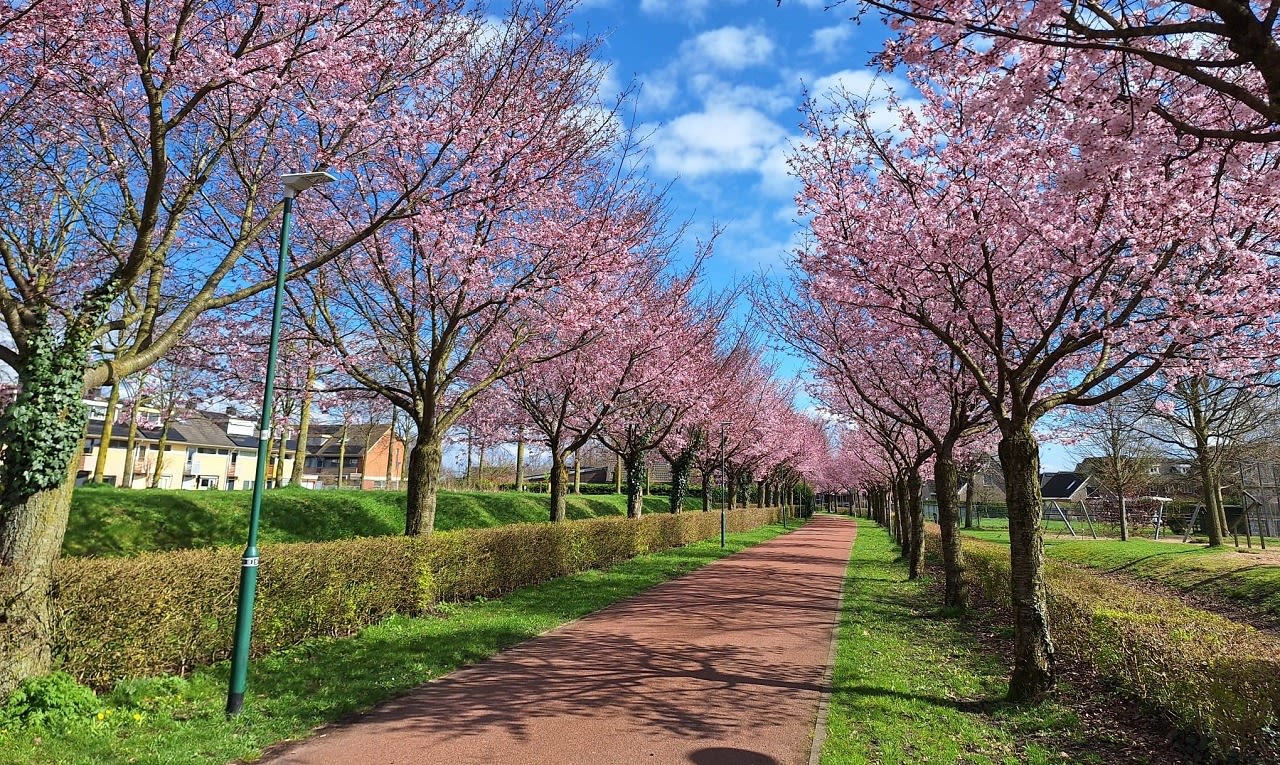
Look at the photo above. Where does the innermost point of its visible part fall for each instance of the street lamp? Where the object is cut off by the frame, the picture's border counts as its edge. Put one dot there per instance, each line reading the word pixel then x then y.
pixel 724 483
pixel 294 184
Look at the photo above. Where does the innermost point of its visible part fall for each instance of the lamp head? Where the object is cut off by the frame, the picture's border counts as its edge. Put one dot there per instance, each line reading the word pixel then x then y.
pixel 296 183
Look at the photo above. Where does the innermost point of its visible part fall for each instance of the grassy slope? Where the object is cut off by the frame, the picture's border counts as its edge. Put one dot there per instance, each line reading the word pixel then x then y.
pixel 106 521
pixel 1248 580
pixel 292 691
pixel 914 686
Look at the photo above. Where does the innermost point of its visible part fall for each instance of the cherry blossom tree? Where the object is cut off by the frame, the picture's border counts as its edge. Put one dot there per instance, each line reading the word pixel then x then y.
pixel 675 382
pixel 1061 245
pixel 1211 68
pixel 143 146
pixel 584 383
pixel 904 374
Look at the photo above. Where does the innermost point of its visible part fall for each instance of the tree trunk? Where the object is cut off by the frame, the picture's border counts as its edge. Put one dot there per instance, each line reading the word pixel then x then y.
pixel 617 475
pixel 161 445
pixel 391 450
pixel 282 449
pixel 342 461
pixel 760 494
pixel 42 433
pixel 104 446
pixel 480 470
pixel 31 533
pixel 130 446
pixel 969 491
pixel 304 432
pixel 706 490
pixel 520 462
pixel 424 482
pixel 1208 496
pixel 945 479
pixel 1033 660
pixel 680 479
pixel 731 485
pixel 577 473
pixel 466 476
pixel 556 480
pixel 1124 519
pixel 634 463
pixel 915 506
pixel 902 515
pixel 1222 508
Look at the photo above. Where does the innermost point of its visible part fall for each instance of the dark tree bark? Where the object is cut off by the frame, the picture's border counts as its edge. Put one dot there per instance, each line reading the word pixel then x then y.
pixel 424 480
pixel 915 508
pixel 1033 660
pixel 945 479
pixel 557 481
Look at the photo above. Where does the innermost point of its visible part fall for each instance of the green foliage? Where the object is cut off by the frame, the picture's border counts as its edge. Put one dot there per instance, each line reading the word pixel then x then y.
pixel 149 694
pixel 109 521
pixel 1206 672
pixel 1238 576
pixel 51 701
pixel 913 686
pixel 295 690
pixel 43 428
pixel 169 612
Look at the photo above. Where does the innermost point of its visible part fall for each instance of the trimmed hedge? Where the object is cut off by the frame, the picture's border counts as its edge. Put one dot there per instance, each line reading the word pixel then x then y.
pixel 1208 673
pixel 164 613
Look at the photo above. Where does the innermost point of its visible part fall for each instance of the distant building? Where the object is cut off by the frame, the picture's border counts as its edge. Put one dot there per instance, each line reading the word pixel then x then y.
pixel 1067 487
pixel 219 450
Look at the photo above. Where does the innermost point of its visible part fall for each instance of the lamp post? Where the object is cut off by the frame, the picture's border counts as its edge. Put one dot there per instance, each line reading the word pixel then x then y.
pixel 724 494
pixel 294 183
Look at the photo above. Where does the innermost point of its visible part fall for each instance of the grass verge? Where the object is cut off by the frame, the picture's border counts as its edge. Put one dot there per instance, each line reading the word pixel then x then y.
pixel 175 720
pixel 913 685
pixel 106 521
pixel 1245 579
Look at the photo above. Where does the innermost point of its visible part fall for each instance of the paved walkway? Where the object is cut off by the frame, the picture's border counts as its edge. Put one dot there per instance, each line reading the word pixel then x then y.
pixel 724 666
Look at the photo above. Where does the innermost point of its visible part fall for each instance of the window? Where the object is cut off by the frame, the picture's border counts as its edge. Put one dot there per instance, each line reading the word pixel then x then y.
pixel 1154 470
pixel 89 444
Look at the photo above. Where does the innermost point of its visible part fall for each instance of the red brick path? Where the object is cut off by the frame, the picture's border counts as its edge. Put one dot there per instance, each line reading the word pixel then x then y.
pixel 724 666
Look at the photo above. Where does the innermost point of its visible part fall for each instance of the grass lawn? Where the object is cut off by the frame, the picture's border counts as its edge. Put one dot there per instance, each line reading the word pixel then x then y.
pixel 1248 579
pixel 912 685
pixel 109 521
pixel 176 721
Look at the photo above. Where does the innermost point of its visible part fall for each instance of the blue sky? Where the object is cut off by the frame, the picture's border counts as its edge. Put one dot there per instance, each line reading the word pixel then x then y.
pixel 720 84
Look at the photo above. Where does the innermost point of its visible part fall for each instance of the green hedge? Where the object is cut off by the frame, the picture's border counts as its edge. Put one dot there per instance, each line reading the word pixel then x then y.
pixel 168 612
pixel 1208 673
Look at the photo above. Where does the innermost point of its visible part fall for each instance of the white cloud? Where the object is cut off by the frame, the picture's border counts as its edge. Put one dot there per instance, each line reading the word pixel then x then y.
pixel 730 48
pixel 869 88
pixel 716 140
pixel 775 175
pixel 658 90
pixel 692 8
pixel 830 41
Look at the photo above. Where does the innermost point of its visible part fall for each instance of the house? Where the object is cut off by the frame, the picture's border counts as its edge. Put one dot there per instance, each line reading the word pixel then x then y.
pixel 366 456
pixel 200 453
pixel 1067 487
pixel 219 450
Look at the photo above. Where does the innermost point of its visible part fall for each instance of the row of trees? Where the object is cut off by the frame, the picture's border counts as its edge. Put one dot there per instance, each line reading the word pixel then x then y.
pixel 1082 204
pixel 491 257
